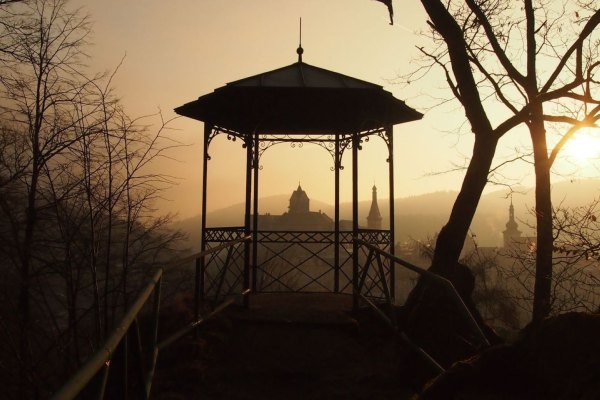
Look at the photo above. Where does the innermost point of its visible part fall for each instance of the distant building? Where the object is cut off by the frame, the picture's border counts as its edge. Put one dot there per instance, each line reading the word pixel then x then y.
pixel 514 241
pixel 298 218
pixel 512 234
pixel 374 217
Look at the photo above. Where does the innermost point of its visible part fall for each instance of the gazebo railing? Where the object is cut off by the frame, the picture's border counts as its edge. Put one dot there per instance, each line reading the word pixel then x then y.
pixel 375 276
pixel 293 261
pixel 221 273
pixel 301 261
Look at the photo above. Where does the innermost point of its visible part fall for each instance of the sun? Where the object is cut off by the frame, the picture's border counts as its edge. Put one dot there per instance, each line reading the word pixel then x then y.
pixel 583 146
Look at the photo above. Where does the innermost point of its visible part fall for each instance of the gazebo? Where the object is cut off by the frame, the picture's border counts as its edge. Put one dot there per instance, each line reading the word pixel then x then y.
pixel 298 103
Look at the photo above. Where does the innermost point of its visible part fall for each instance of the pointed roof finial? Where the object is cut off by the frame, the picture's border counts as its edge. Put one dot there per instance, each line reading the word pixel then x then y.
pixel 300 50
pixel 374 217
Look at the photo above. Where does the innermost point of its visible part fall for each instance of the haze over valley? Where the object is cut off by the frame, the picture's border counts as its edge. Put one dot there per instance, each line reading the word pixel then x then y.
pixel 417 217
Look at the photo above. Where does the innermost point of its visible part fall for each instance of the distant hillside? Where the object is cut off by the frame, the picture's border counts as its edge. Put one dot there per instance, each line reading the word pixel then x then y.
pixel 420 217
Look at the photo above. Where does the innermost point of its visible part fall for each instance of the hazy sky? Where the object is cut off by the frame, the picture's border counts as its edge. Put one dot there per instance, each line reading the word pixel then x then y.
pixel 179 50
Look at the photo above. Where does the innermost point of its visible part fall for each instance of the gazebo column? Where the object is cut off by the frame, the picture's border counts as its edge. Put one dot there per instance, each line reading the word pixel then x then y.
pixel 200 263
pixel 389 130
pixel 255 210
pixel 355 144
pixel 247 229
pixel 336 234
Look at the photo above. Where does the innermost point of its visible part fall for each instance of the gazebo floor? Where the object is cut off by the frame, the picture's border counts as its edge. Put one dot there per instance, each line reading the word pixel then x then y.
pixel 292 346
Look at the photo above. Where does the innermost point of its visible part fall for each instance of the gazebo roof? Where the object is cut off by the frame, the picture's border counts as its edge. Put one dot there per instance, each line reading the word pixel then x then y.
pixel 303 75
pixel 299 99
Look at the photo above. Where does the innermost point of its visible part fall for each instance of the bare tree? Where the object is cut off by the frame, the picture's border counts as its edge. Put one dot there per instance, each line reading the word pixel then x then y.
pixel 5 2
pixel 75 197
pixel 37 87
pixel 510 64
pixel 575 263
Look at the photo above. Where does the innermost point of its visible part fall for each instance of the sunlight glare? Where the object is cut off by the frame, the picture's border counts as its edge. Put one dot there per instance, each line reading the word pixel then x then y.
pixel 583 146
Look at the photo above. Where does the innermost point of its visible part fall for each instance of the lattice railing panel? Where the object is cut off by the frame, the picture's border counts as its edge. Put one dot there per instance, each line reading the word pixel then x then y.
pixel 223 269
pixel 345 262
pixel 374 272
pixel 295 261
pixel 222 235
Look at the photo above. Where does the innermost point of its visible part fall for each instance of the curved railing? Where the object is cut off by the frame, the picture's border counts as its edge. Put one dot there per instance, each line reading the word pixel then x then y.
pixel 377 266
pixel 101 361
pixel 126 339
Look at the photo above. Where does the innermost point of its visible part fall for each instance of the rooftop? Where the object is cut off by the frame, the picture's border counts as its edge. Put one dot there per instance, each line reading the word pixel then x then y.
pixel 299 99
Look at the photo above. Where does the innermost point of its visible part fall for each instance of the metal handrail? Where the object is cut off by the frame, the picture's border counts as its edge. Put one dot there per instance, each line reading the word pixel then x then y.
pixel 436 278
pixel 102 358
pixel 193 325
pixel 403 336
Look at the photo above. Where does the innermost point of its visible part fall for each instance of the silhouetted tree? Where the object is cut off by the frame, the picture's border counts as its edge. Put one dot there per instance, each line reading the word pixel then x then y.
pixel 510 64
pixel 5 2
pixel 76 192
pixel 37 88
pixel 576 263
pixel 390 7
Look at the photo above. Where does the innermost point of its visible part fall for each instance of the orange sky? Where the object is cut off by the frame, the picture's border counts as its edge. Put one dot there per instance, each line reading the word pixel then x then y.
pixel 181 49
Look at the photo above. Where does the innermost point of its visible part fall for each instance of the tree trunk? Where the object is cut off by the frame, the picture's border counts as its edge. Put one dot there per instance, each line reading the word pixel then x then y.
pixel 24 305
pixel 543 213
pixel 451 239
pixel 452 236
pixel 430 312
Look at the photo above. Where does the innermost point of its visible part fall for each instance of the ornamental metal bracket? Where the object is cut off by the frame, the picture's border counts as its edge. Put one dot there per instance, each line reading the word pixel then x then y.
pixel 266 141
pixel 344 142
pixel 384 134
pixel 213 133
pixel 231 135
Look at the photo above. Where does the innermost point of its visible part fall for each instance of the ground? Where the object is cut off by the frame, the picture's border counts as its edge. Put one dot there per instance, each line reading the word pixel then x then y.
pixel 288 346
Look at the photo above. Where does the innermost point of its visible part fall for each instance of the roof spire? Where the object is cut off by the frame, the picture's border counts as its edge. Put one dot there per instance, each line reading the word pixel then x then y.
pixel 374 217
pixel 300 50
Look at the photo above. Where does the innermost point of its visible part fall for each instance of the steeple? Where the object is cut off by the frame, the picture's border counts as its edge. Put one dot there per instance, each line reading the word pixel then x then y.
pixel 511 233
pixel 299 201
pixel 374 217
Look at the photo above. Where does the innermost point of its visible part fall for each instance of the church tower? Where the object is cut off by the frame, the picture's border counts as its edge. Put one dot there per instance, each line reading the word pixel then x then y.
pixel 374 218
pixel 511 233
pixel 299 202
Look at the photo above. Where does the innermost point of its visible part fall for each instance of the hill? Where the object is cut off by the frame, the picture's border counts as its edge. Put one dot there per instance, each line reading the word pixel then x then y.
pixel 420 217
